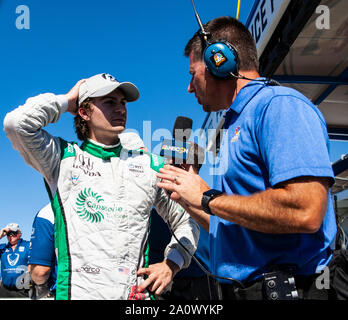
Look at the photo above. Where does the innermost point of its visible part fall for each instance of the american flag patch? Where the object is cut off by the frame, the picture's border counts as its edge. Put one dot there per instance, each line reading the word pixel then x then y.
pixel 124 271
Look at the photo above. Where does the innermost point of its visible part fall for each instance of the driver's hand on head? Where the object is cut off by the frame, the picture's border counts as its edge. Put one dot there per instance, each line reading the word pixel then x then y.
pixel 72 97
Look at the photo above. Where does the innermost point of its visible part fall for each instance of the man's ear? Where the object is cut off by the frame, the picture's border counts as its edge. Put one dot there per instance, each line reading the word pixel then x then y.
pixel 84 113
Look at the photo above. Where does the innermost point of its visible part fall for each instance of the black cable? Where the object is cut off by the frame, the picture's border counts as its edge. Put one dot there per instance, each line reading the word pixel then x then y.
pixel 268 81
pixel 207 272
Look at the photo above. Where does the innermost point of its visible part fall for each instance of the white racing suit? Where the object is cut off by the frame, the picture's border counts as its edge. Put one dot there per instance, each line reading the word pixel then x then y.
pixel 101 198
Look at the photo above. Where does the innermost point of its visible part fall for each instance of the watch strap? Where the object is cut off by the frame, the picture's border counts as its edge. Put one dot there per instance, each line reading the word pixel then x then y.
pixel 207 197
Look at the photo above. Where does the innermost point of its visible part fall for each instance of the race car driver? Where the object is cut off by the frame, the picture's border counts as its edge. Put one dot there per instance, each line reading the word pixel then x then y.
pixel 101 193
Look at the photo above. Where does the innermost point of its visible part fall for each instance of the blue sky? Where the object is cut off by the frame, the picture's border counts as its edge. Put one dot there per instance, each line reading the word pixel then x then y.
pixel 137 41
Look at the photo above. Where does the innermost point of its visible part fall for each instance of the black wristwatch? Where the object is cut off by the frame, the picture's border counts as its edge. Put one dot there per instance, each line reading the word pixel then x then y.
pixel 207 197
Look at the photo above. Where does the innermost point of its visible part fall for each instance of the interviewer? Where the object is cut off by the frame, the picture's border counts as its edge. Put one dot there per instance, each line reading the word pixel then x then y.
pixel 271 211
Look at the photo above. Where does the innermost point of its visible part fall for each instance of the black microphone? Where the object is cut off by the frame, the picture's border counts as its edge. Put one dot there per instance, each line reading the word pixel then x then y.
pixel 179 149
pixel 182 128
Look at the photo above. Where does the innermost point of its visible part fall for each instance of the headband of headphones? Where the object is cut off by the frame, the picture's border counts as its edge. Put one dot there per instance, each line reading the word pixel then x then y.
pixel 220 57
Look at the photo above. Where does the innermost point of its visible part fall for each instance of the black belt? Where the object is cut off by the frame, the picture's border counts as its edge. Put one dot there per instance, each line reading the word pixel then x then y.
pixel 251 291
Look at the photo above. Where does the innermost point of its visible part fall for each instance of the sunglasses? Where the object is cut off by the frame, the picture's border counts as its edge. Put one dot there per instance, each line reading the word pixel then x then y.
pixel 12 233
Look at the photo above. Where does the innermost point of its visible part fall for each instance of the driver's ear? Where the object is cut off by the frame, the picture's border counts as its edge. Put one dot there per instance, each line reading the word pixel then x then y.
pixel 84 113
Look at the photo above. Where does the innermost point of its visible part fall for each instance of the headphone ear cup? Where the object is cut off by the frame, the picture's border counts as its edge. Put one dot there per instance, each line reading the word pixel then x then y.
pixel 221 59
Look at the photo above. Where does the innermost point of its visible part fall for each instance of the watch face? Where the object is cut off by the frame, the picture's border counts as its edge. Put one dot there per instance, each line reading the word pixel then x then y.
pixel 207 197
pixel 212 192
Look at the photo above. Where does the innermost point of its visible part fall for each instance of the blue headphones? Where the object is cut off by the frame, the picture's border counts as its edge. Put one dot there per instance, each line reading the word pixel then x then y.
pixel 221 58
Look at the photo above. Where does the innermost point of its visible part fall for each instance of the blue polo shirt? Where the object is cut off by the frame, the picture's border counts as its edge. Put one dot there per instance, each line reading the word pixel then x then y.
pixel 13 262
pixel 42 243
pixel 273 134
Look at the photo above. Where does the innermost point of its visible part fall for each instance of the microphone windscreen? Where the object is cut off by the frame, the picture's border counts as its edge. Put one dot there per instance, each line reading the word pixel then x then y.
pixel 182 128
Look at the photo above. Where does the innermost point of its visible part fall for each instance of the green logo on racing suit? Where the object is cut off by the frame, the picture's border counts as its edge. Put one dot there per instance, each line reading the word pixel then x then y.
pixel 90 206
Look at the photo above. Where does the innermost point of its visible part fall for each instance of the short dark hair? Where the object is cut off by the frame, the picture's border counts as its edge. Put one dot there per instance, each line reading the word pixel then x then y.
pixel 234 32
pixel 81 127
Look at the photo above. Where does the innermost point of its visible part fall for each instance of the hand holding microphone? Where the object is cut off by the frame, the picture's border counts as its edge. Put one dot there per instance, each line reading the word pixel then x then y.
pixel 184 185
pixel 187 158
pixel 180 151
